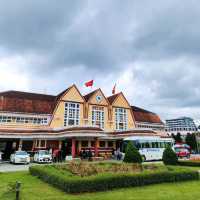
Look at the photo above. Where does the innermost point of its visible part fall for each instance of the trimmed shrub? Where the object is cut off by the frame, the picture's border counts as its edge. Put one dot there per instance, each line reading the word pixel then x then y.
pixel 169 156
pixel 189 163
pixel 103 182
pixel 132 155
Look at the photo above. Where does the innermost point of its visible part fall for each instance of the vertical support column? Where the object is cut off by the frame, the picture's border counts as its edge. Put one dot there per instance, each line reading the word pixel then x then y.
pixel 20 145
pixel 79 146
pixel 60 144
pixel 73 147
pixel 96 147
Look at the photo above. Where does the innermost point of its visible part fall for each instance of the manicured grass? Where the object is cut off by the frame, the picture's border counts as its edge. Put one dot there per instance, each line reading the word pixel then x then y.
pixel 34 189
pixel 87 177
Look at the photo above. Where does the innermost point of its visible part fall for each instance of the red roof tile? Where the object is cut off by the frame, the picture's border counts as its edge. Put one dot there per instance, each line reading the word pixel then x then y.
pixel 25 102
pixel 142 115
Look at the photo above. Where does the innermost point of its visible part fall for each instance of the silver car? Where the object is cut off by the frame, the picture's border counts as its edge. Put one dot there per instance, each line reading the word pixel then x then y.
pixel 42 156
pixel 20 157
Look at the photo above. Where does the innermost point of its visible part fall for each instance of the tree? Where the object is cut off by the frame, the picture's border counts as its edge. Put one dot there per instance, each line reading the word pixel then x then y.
pixel 191 141
pixel 177 138
pixel 132 155
pixel 169 156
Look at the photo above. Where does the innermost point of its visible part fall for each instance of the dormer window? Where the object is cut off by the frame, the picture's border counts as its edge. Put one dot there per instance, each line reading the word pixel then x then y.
pixel 72 114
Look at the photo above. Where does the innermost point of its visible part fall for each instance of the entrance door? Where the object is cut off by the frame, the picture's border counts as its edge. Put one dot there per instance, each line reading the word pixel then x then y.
pixel 67 147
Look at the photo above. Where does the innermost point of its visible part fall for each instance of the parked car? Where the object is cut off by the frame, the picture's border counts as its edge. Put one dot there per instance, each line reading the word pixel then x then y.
pixel 1 153
pixel 182 150
pixel 20 157
pixel 42 156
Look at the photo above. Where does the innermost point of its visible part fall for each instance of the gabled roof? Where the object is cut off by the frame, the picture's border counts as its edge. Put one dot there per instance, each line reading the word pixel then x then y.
pixel 112 98
pixel 63 92
pixel 89 95
pixel 142 115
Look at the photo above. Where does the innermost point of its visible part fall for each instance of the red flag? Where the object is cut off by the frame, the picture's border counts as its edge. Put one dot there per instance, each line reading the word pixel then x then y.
pixel 89 83
pixel 113 90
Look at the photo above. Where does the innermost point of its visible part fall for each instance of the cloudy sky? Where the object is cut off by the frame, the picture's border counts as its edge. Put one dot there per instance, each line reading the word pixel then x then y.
pixel 150 49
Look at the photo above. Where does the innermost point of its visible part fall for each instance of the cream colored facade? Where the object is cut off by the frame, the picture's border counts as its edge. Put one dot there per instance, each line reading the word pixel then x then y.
pixel 73 95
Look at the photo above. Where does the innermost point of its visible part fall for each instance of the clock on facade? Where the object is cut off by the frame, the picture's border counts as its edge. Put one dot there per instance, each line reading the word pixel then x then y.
pixel 98 98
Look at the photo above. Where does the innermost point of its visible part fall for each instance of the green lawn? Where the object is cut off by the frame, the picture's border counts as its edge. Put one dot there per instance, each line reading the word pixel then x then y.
pixel 34 189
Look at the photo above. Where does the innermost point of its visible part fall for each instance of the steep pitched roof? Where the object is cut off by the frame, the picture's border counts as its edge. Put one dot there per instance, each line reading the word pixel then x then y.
pixel 142 115
pixel 112 98
pixel 87 96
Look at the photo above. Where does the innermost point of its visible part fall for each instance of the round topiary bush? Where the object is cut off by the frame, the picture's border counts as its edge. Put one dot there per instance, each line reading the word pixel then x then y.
pixel 169 156
pixel 132 155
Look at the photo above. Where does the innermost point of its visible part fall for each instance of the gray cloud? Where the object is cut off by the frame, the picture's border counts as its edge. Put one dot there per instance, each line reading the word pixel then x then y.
pixel 72 41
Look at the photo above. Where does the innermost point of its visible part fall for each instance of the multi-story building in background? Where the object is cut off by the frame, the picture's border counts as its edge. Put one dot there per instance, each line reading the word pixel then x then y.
pixel 182 125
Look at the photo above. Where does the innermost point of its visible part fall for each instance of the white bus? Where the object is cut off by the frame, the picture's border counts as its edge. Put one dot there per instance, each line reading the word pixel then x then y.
pixel 150 147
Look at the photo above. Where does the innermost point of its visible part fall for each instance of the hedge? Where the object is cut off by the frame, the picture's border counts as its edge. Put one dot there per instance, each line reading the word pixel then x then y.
pixel 103 182
pixel 189 163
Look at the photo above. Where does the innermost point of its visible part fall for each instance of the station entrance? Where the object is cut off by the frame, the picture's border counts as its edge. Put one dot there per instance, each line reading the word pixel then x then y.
pixel 7 147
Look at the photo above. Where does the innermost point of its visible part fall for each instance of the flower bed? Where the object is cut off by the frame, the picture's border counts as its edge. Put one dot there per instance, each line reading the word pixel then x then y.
pixel 62 178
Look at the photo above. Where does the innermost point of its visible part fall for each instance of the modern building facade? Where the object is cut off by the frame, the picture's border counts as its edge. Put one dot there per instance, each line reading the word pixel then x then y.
pixel 181 125
pixel 68 121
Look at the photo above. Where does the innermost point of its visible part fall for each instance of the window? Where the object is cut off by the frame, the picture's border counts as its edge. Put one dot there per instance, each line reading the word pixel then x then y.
pixel 98 116
pixel 23 120
pixel 40 143
pixel 121 118
pixel 110 144
pixel 84 143
pixel 72 114
pixel 102 143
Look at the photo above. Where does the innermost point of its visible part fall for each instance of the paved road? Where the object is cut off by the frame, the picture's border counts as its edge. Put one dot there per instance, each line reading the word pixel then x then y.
pixel 7 167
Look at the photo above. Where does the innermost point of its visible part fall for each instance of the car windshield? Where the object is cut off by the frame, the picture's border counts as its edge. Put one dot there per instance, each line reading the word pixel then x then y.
pixel 43 152
pixel 21 153
pixel 181 150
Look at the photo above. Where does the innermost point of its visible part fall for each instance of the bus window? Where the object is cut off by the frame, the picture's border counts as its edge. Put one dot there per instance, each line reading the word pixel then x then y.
pixel 169 144
pixel 137 145
pixel 147 145
pixel 162 145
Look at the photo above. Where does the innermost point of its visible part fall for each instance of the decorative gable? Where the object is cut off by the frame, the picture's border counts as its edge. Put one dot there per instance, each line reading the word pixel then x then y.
pixel 97 97
pixel 120 101
pixel 72 94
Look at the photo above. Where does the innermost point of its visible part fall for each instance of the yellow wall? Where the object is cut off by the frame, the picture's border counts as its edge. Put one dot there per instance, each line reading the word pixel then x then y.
pixel 122 102
pixel 73 95
pixel 93 99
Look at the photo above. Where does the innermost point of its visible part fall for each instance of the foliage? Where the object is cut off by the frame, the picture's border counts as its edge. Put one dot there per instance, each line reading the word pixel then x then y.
pixel 35 189
pixel 189 163
pixel 132 155
pixel 87 169
pixel 177 138
pixel 169 156
pixel 191 141
pixel 107 181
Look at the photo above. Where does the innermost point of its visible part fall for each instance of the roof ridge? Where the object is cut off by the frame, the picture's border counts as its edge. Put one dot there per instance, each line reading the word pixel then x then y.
pixel 26 92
